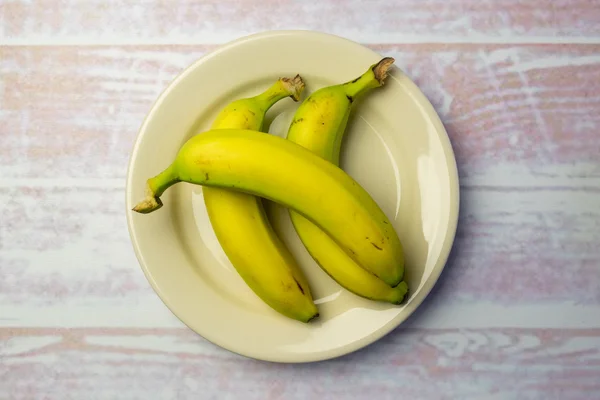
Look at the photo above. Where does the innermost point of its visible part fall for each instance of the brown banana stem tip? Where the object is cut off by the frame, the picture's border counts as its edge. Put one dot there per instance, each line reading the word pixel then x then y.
pixel 294 85
pixel 381 69
pixel 149 204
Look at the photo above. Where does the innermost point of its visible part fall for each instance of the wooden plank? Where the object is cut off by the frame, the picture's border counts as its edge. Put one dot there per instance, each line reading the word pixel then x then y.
pixel 76 111
pixel 73 112
pixel 425 364
pixel 102 22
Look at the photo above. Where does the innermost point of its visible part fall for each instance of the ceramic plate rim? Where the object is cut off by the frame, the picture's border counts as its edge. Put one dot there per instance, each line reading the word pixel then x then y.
pixel 453 199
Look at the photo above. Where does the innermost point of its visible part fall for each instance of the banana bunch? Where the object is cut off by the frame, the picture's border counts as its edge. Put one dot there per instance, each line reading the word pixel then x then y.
pixel 339 223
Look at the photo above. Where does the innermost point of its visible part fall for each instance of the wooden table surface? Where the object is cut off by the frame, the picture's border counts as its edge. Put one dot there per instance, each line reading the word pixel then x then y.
pixel 516 313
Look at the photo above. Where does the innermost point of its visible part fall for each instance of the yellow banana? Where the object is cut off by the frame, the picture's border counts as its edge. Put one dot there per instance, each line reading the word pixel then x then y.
pixel 319 125
pixel 286 173
pixel 250 113
pixel 242 228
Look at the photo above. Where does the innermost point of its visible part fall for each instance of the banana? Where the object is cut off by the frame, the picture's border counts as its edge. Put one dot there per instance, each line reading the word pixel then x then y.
pixel 250 113
pixel 242 228
pixel 319 125
pixel 288 174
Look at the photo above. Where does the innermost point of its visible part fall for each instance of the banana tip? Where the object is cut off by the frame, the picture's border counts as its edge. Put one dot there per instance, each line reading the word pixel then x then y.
pixel 313 318
pixel 403 286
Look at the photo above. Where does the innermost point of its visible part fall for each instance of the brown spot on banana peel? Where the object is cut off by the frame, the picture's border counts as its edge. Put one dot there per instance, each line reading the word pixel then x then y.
pixel 374 245
pixel 299 285
pixel 202 161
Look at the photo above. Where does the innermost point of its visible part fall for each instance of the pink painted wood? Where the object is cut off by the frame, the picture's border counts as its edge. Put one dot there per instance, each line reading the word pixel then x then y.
pixel 423 364
pixel 373 21
pixel 516 314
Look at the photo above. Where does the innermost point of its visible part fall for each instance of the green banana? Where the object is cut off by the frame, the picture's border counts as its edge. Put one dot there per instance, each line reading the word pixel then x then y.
pixel 242 228
pixel 319 125
pixel 288 174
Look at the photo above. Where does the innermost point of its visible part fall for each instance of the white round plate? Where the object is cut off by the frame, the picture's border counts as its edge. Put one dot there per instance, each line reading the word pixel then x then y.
pixel 395 147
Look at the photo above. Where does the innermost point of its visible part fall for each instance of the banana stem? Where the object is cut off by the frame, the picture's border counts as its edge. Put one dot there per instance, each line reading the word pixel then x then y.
pixel 381 69
pixel 155 187
pixel 284 87
pixel 373 78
